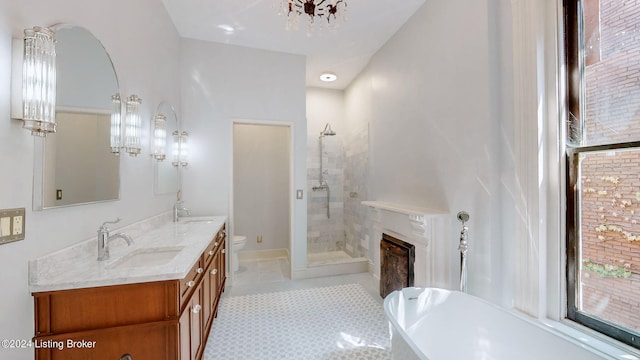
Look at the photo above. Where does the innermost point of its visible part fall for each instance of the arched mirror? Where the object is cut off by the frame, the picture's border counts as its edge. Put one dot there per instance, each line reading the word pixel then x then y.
pixel 75 164
pixel 165 174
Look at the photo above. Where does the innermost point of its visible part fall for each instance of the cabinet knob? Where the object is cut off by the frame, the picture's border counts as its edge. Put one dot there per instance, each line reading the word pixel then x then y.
pixel 191 283
pixel 223 251
pixel 199 270
pixel 214 271
pixel 196 309
pixel 210 252
pixel 216 243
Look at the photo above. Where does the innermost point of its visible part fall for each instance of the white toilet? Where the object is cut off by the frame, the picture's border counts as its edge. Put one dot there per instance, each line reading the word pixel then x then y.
pixel 238 244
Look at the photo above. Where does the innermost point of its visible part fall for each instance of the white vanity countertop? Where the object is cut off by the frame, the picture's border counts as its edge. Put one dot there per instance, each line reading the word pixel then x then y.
pixel 77 266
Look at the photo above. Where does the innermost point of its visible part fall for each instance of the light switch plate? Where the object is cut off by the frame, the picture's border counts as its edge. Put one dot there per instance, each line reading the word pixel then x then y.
pixel 5 226
pixel 12 225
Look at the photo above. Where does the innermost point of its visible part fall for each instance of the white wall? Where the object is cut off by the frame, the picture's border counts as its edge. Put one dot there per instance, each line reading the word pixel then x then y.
pixel 433 98
pixel 324 106
pixel 150 71
pixel 221 83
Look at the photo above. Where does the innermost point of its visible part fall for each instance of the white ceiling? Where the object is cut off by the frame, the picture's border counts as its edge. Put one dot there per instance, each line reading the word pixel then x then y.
pixel 256 23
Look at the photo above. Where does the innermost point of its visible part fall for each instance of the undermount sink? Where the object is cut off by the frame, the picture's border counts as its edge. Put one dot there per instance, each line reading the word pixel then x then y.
pixel 196 219
pixel 146 257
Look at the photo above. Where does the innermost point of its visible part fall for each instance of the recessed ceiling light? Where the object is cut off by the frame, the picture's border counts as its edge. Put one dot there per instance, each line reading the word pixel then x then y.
pixel 328 77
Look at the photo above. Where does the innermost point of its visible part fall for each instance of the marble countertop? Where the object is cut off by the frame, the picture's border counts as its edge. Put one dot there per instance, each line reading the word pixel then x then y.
pixel 177 246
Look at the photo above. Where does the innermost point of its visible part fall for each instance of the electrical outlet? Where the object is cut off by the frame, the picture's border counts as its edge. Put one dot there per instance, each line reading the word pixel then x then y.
pixel 17 225
pixel 11 225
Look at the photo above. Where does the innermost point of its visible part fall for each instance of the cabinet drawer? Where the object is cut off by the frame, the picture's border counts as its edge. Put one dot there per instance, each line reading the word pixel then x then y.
pixel 76 310
pixel 210 251
pixel 221 236
pixel 189 283
pixel 214 246
pixel 157 340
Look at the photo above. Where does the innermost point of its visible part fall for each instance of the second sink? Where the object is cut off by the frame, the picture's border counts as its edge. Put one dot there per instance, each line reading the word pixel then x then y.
pixel 147 257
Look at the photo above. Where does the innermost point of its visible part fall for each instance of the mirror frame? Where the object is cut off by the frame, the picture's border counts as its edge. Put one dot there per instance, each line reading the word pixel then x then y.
pixel 40 142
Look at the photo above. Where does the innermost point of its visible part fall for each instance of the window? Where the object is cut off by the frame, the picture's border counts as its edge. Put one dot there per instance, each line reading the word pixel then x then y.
pixel 603 166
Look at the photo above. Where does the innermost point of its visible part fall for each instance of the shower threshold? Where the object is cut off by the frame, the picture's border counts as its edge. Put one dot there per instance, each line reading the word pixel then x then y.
pixel 331 264
pixel 331 257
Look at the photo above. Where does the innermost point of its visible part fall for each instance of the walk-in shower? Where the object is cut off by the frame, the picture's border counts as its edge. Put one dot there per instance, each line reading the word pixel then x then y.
pixel 328 251
pixel 322 184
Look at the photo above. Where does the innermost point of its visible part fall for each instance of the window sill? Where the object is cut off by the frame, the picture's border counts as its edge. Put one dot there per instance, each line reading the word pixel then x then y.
pixel 593 341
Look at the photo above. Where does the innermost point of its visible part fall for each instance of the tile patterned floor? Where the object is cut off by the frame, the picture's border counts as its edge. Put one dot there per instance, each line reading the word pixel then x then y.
pixel 265 316
pixel 261 271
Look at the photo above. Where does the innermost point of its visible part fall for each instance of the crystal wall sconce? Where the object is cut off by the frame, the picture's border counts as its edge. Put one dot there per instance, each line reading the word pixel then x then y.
pixel 126 135
pixel 116 142
pixel 159 137
pixel 133 126
pixel 34 81
pixel 180 149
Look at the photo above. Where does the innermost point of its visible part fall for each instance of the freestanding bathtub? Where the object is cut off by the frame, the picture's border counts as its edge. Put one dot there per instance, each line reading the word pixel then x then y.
pixel 437 324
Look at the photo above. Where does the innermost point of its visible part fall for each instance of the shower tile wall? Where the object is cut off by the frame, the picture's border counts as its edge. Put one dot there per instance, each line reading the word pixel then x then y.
pixel 325 234
pixel 356 215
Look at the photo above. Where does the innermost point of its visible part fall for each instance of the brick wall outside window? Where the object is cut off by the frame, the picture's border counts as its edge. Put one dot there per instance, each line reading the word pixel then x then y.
pixel 610 194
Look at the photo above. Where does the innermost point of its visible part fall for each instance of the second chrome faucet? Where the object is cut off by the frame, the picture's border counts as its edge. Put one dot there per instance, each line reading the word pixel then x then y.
pixel 104 238
pixel 179 208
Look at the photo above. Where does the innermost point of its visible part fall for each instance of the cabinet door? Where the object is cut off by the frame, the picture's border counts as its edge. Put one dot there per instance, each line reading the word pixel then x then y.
pixel 222 266
pixel 214 275
pixel 207 299
pixel 185 334
pixel 191 327
pixel 197 324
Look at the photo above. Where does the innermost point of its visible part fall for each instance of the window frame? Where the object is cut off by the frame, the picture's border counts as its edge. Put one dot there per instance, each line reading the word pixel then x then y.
pixel 575 92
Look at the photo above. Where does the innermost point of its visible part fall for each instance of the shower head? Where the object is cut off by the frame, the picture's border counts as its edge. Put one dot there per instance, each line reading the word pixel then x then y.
pixel 327 131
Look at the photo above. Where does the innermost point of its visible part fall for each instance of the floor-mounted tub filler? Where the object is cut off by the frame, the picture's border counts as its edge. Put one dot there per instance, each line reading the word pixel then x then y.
pixel 437 324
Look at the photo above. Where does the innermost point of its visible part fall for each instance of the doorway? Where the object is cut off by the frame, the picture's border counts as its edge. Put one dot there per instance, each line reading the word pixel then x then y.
pixel 261 199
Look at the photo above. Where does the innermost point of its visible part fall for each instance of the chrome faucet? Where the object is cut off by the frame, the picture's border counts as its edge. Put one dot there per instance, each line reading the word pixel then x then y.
pixel 104 238
pixel 179 208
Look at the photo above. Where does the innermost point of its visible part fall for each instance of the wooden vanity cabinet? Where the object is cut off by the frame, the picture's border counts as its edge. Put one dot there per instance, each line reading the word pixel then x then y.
pixel 165 320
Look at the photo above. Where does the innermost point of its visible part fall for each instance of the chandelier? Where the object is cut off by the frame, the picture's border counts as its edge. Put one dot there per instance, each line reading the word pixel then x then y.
pixel 325 10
